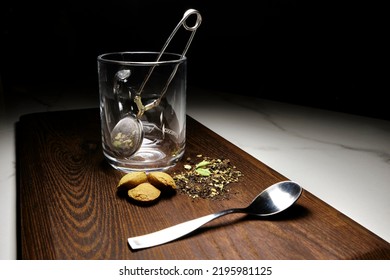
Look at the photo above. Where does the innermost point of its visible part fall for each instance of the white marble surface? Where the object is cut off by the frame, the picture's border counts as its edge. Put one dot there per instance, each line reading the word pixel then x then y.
pixel 342 159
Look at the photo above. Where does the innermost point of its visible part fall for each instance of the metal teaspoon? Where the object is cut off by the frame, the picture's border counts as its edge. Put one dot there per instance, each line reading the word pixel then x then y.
pixel 272 200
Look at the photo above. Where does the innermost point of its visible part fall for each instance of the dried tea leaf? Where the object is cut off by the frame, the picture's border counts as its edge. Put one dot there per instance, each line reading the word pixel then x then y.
pixel 203 171
pixel 203 163
pixel 187 167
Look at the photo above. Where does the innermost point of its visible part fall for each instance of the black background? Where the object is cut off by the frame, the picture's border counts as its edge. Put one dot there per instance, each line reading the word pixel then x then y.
pixel 324 55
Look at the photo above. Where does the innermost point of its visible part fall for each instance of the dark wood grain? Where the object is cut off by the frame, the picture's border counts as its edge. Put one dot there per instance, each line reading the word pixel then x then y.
pixel 68 207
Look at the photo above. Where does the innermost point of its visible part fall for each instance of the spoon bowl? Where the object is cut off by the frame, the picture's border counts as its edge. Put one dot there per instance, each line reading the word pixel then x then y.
pixel 275 199
pixel 271 201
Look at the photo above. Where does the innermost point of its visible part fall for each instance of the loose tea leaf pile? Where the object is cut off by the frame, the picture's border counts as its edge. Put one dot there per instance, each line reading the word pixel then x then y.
pixel 208 179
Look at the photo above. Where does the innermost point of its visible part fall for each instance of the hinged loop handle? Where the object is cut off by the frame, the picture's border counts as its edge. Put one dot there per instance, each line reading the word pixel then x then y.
pixel 187 14
pixel 183 22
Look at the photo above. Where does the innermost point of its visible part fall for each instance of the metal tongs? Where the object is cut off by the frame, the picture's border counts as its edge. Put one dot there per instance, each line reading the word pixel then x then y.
pixel 182 22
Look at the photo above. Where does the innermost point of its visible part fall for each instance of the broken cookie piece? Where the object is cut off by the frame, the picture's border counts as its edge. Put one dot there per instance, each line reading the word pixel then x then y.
pixel 163 181
pixel 144 193
pixel 131 180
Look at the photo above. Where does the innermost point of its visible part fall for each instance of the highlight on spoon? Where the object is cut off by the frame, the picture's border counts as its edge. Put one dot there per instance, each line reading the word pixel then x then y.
pixel 282 195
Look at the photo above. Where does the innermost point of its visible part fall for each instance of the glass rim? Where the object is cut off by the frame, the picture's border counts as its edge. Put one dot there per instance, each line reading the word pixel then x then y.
pixel 105 57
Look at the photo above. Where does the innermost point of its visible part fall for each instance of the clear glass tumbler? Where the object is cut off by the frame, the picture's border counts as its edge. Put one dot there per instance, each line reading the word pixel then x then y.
pixel 142 109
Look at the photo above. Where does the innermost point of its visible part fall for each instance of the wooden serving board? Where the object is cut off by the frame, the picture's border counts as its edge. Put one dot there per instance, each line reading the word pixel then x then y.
pixel 68 207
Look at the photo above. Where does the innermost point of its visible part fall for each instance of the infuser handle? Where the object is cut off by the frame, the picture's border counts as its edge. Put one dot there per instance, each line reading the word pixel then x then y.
pixel 183 22
pixel 193 28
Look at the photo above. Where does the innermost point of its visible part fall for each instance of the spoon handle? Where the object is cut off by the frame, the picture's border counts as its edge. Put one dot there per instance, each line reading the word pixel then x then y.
pixel 174 232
